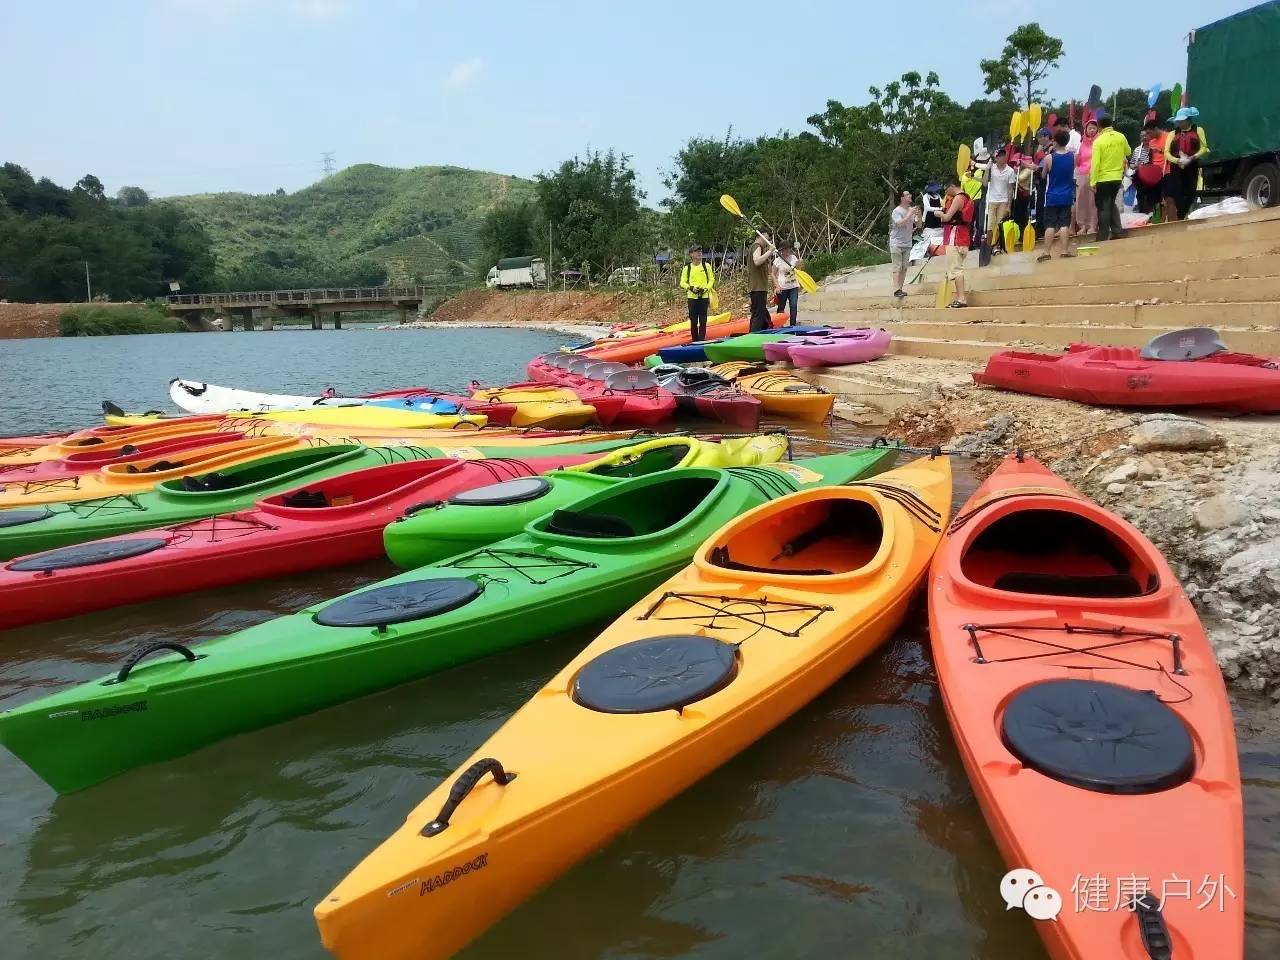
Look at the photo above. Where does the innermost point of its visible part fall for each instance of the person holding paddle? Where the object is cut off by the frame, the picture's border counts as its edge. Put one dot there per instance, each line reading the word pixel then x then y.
pixel 758 260
pixel 697 279
pixel 957 232
pixel 786 286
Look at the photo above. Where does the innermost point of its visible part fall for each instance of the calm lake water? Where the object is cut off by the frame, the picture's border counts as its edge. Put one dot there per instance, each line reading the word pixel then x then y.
pixel 850 830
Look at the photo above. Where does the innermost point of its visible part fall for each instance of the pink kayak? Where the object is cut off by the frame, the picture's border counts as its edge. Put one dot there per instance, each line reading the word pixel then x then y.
pixel 840 347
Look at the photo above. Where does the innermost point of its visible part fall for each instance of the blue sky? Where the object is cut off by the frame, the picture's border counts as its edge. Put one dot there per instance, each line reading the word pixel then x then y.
pixel 183 96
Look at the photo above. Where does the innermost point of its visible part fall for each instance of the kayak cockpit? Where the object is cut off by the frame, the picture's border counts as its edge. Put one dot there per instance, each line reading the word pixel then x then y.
pixel 361 487
pixel 634 509
pixel 1062 553
pixel 818 537
pixel 653 460
pixel 258 471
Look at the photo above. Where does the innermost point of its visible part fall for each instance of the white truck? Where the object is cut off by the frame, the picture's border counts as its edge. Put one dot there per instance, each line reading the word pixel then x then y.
pixel 521 272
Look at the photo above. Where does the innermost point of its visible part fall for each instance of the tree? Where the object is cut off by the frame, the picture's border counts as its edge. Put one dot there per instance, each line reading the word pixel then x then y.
pixel 91 187
pixel 593 205
pixel 508 231
pixel 703 170
pixel 132 197
pixel 1028 56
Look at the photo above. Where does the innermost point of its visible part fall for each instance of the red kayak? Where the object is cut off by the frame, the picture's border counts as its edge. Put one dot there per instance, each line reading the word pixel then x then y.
pixel 646 402
pixel 325 524
pixel 607 407
pixel 1092 720
pixel 95 457
pixel 1121 377
pixel 712 397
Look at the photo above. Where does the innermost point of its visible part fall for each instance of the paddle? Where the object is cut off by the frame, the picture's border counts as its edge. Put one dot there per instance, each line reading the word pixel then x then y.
pixel 1015 125
pixel 807 283
pixel 963 157
pixel 1029 239
pixel 1036 114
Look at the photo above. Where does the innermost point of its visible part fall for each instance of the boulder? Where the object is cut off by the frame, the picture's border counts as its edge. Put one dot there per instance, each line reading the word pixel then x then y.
pixel 1168 432
pixel 1217 512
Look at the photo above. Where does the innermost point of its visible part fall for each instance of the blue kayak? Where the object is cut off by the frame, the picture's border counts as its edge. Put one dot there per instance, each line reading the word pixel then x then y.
pixel 420 404
pixel 691 352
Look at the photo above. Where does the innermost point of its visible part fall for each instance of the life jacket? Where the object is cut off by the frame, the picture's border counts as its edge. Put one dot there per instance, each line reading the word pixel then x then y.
pixel 1151 170
pixel 958 234
pixel 1186 143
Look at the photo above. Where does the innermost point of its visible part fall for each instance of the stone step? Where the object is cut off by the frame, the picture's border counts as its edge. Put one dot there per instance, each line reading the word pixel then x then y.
pixel 908 343
pixel 1171 316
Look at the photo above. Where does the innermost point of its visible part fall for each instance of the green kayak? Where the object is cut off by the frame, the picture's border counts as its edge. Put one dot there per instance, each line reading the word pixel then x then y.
pixel 567 569
pixel 25 530
pixel 475 518
pixel 748 346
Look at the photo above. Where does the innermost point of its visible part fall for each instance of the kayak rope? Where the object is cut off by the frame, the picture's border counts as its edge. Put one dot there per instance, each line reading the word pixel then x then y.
pixel 770 484
pixel 116 503
pixel 1009 494
pixel 712 609
pixel 521 562
pixel 504 468
pixel 219 528
pixel 405 454
pixel 916 506
pixel 18 468
pixel 1120 637
pixel 28 487
pixel 17 451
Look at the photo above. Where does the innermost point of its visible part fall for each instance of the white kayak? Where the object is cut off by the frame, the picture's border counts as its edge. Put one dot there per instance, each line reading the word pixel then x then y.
pixel 196 397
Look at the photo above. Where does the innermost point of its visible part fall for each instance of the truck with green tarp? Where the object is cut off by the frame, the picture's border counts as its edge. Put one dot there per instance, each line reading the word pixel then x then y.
pixel 1231 67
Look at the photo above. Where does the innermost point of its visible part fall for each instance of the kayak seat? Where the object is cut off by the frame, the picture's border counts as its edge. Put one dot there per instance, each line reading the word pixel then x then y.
pixel 157 467
pixel 306 498
pixel 720 557
pixel 651 461
pixel 520 490
pixel 659 673
pixel 1065 585
pixel 17 518
pixel 208 483
pixel 1098 736
pixel 597 525
pixel 399 603
pixel 87 554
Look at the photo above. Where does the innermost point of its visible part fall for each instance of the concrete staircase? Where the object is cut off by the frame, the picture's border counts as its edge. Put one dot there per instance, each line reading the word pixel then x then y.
pixel 1222 273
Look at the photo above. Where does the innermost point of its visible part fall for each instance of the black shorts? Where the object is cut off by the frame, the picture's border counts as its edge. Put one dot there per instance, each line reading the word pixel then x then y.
pixel 1057 218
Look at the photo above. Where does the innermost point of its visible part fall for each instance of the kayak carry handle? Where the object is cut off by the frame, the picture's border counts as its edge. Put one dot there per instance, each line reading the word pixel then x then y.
pixel 151 648
pixel 462 787
pixel 419 507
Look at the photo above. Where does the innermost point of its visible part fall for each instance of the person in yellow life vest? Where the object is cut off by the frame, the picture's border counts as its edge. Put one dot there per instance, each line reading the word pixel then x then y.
pixel 1106 176
pixel 697 279
pixel 1183 150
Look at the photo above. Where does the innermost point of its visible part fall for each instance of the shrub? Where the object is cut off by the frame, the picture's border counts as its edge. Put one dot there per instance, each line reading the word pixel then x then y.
pixel 824 264
pixel 95 320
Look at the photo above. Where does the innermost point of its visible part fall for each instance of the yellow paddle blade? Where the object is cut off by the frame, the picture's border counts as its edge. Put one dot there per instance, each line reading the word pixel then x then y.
pixel 807 283
pixel 945 294
pixel 1037 114
pixel 963 156
pixel 1029 239
pixel 730 204
pixel 1014 123
pixel 715 300
pixel 1011 231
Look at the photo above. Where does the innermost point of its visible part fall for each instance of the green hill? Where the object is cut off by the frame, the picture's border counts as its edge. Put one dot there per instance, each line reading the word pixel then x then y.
pixel 357 226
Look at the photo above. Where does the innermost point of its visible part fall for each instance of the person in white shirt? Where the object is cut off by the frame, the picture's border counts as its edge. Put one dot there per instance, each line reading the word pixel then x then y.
pixel 904 218
pixel 785 285
pixel 1002 187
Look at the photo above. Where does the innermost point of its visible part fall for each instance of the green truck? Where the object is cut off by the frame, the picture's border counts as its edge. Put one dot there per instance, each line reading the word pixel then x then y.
pixel 1230 80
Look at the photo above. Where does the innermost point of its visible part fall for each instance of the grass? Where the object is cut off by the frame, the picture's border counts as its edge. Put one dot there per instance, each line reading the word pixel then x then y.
pixel 94 320
pixel 824 264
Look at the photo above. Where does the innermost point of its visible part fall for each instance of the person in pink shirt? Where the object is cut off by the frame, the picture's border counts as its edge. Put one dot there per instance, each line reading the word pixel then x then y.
pixel 1086 212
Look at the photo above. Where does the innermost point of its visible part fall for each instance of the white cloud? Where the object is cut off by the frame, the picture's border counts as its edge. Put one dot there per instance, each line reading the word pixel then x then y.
pixel 462 74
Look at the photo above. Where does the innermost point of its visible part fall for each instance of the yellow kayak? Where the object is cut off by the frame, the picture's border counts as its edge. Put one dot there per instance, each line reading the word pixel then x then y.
pixel 670 453
pixel 776 607
pixel 547 407
pixel 778 391
pixel 140 475
pixel 102 439
pixel 366 416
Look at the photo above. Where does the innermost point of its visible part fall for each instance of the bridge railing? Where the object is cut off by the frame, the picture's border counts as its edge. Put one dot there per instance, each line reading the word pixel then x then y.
pixel 311 295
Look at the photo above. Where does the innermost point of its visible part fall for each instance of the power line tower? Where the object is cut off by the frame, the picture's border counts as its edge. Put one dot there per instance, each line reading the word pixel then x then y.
pixel 326 162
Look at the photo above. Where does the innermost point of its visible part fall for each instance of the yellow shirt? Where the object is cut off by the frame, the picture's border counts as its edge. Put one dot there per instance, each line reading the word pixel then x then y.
pixel 702 276
pixel 1110 153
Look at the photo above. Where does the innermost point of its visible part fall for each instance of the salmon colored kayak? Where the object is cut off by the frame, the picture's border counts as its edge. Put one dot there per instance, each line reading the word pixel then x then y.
pixel 94 458
pixel 777 605
pixel 635 349
pixel 1093 723
pixel 101 439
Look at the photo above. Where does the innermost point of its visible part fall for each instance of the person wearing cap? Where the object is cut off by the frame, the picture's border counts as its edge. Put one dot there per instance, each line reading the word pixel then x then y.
pixel 785 285
pixel 1183 150
pixel 1106 175
pixel 697 279
pixel 1086 214
pixel 1149 167
pixel 758 260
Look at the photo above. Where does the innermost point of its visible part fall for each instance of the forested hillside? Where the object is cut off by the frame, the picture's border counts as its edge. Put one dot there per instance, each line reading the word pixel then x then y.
pixel 362 225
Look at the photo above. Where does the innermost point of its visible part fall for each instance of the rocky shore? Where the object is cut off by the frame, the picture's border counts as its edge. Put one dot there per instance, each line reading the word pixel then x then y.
pixel 1206 491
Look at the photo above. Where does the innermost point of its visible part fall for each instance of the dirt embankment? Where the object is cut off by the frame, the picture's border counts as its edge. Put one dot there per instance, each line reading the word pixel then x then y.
pixel 642 305
pixel 19 321
pixel 1206 490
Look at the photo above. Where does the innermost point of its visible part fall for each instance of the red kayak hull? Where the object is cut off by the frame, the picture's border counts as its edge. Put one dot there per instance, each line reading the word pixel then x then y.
pixel 270 540
pixel 96 457
pixel 639 408
pixel 1120 377
pixel 1060 636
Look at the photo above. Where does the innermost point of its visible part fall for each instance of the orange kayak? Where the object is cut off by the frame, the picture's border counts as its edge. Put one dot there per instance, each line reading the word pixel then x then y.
pixel 1093 723
pixel 779 392
pixel 777 605
pixel 635 349
pixel 102 439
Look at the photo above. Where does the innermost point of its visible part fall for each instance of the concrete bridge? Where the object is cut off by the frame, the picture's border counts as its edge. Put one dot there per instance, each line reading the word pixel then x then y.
pixel 261 308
